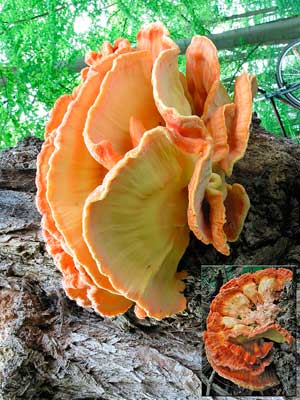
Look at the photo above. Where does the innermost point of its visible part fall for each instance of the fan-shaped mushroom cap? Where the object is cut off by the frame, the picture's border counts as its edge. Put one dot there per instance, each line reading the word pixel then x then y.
pixel 196 218
pixel 77 285
pixel 120 46
pixel 170 97
pixel 217 211
pixel 80 288
pixel 231 302
pixel 155 38
pixel 173 105
pixel 240 317
pixel 73 174
pixel 216 98
pixel 238 135
pixel 252 356
pixel 57 113
pixel 126 92
pixel 237 205
pixel 206 212
pixel 202 70
pixel 243 378
pixel 42 166
pixel 135 224
pixel 218 126
pixel 229 123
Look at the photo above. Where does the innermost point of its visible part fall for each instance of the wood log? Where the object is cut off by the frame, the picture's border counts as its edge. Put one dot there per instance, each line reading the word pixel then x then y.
pixel 52 349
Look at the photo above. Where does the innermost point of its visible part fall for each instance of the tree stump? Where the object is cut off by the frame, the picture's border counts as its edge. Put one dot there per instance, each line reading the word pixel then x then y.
pixel 52 349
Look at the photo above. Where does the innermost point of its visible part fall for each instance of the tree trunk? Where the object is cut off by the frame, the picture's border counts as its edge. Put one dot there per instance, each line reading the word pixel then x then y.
pixel 279 31
pixel 275 32
pixel 52 349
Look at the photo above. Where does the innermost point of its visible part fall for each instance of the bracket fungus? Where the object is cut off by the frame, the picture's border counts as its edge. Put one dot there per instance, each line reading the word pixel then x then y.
pixel 134 158
pixel 242 328
pixel 147 224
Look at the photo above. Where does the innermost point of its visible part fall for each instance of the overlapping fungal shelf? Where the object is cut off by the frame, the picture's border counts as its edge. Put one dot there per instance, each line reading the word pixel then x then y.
pixel 242 328
pixel 133 159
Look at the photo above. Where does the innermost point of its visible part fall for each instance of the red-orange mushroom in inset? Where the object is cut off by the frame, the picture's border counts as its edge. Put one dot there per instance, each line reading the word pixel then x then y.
pixel 252 356
pixel 241 328
pixel 265 380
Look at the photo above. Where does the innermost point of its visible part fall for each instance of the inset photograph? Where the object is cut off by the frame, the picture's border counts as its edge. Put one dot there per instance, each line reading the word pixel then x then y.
pixel 249 331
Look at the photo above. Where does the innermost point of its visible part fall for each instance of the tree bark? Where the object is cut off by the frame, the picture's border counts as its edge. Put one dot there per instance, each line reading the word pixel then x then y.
pixel 52 349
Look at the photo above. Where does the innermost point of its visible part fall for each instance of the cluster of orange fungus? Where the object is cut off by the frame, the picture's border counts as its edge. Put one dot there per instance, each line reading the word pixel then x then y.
pixel 132 160
pixel 242 328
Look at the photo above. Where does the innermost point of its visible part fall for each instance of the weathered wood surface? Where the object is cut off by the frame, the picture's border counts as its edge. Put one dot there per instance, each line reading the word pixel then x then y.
pixel 52 349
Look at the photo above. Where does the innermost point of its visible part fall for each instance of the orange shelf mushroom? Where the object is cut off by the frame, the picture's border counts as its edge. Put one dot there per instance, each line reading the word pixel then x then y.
pixel 139 235
pixel 217 211
pixel 63 234
pixel 241 328
pixel 139 145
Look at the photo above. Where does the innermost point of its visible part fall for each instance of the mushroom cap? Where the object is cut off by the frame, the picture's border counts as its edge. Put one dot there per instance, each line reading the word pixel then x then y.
pixel 251 356
pixel 238 135
pixel 218 126
pixel 272 280
pixel 206 212
pixel 72 175
pixel 217 211
pixel 216 98
pixel 169 91
pixel 237 205
pixel 42 167
pixel 80 288
pixel 244 379
pixel 126 92
pixel 241 316
pixel 135 223
pixel 76 283
pixel 57 113
pixel 202 70
pixel 155 38
pixel 197 220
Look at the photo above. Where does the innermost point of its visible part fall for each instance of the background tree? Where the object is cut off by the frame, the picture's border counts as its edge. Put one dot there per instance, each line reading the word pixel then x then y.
pixel 42 41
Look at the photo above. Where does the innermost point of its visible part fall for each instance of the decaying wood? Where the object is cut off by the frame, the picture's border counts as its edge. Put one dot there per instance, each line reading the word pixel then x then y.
pixel 52 349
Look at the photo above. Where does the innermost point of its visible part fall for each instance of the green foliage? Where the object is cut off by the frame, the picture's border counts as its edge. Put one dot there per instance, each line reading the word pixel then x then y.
pixel 39 47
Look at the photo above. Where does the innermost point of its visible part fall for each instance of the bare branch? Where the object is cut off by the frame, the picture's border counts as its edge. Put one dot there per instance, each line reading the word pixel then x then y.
pixel 20 21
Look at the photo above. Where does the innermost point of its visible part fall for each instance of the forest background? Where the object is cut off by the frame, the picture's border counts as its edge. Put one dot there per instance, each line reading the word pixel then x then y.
pixel 43 42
